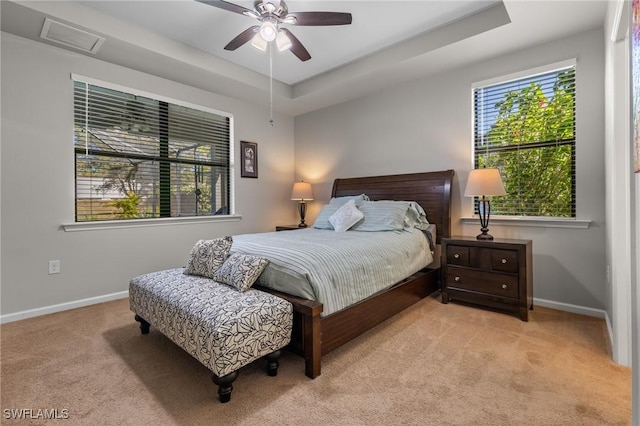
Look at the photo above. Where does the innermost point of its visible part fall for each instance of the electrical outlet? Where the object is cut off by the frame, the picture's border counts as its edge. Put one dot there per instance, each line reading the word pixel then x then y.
pixel 54 267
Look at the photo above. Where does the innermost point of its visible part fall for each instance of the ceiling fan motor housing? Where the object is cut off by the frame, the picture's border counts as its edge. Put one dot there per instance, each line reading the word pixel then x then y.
pixel 271 8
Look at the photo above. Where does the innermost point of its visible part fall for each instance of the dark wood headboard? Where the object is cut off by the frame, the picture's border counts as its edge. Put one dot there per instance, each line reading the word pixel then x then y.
pixel 432 190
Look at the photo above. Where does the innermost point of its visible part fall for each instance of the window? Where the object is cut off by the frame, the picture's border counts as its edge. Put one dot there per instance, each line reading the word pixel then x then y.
pixel 525 127
pixel 138 157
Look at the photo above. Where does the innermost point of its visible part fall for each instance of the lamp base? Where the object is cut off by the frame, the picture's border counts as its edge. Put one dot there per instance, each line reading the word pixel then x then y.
pixel 484 236
pixel 302 210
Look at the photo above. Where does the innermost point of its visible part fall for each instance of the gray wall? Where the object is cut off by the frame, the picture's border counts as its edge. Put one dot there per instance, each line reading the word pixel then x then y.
pixel 425 125
pixel 37 182
pixel 416 126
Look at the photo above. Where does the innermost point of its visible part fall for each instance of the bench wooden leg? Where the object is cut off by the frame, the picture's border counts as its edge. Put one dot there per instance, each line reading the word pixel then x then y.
pixel 225 385
pixel 144 325
pixel 272 363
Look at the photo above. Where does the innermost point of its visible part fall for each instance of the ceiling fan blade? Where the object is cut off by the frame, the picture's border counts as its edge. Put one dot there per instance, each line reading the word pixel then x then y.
pixel 227 6
pixel 321 18
pixel 242 38
pixel 296 47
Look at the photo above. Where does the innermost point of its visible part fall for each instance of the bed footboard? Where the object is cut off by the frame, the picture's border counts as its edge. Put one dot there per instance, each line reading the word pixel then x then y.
pixel 306 334
pixel 314 336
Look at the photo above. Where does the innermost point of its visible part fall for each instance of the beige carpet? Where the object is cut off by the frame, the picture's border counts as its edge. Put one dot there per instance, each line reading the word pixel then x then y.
pixel 433 364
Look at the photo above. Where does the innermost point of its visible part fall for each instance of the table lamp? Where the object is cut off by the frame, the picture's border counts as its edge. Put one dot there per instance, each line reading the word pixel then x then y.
pixel 483 183
pixel 302 192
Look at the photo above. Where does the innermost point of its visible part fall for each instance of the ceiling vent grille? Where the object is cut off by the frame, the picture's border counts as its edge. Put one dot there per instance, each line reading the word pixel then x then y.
pixel 71 37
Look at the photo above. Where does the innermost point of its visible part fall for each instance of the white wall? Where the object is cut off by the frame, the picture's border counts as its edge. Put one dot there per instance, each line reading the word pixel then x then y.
pixel 425 125
pixel 37 178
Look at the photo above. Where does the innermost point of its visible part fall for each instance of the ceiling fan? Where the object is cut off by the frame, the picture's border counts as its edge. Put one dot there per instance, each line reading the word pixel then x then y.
pixel 271 14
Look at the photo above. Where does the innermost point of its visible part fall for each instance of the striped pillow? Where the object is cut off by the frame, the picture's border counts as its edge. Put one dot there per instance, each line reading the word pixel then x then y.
pixel 382 215
pixel 342 200
pixel 416 217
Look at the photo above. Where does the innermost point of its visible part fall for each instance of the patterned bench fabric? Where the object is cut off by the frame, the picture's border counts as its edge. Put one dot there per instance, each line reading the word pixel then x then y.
pixel 218 325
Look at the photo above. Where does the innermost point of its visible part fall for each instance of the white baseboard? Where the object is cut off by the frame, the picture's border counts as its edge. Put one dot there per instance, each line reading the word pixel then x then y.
pixel 567 307
pixel 62 307
pixel 610 332
pixel 599 313
pixel 575 309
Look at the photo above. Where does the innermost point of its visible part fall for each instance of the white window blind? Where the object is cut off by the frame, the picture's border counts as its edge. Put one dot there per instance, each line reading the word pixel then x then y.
pixel 138 157
pixel 526 128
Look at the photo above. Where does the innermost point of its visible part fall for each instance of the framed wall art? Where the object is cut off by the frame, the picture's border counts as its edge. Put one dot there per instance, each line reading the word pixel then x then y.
pixel 248 159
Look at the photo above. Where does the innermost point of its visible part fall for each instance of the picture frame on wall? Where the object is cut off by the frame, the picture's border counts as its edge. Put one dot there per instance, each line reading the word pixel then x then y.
pixel 249 159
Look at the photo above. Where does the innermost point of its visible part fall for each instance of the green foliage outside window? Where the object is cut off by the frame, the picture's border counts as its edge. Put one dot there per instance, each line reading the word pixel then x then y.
pixel 531 140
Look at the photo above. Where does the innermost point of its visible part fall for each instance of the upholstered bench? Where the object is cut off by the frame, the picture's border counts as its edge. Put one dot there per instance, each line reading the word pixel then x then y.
pixel 222 327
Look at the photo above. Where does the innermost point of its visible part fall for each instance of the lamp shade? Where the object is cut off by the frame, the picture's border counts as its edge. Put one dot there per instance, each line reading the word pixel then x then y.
pixel 302 191
pixel 484 182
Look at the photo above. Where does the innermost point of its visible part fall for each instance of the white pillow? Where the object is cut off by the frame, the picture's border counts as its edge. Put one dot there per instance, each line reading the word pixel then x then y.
pixel 346 216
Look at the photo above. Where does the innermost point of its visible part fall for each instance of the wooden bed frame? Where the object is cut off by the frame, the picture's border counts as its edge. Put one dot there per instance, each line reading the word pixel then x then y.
pixel 314 336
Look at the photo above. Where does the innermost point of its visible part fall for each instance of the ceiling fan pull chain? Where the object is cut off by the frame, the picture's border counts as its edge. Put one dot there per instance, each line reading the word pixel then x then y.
pixel 271 84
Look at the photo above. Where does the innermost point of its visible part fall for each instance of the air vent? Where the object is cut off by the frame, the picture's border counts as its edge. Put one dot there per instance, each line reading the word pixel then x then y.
pixel 69 36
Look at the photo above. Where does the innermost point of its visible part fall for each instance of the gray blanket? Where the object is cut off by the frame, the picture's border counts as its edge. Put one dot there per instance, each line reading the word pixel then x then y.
pixel 337 269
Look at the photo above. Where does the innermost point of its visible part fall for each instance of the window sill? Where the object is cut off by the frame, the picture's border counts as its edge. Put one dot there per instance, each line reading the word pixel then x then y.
pixel 141 223
pixel 542 222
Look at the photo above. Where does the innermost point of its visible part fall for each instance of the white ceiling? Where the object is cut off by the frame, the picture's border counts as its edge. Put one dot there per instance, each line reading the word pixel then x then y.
pixel 209 29
pixel 388 41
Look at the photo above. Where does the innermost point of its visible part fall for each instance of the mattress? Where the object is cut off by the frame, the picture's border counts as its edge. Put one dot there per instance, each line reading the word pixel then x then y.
pixel 337 269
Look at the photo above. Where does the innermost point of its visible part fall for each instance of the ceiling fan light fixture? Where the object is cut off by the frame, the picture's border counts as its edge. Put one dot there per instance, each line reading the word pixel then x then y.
pixel 268 30
pixel 282 41
pixel 259 43
pixel 272 13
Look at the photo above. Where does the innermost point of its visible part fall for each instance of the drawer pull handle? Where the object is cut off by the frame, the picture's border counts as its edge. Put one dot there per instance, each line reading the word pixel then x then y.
pixel 456 255
pixel 504 260
pixel 504 286
pixel 456 279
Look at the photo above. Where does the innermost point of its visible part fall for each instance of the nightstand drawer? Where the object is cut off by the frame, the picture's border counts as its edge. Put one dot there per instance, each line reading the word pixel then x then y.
pixel 504 260
pixel 485 282
pixel 458 255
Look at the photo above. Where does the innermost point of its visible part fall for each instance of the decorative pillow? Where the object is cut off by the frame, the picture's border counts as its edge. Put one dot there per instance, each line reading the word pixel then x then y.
pixel 322 220
pixel 207 256
pixel 345 217
pixel 383 215
pixel 241 270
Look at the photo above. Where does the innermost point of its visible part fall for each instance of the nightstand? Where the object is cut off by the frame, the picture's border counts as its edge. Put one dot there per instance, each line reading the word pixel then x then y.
pixel 496 273
pixel 287 227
